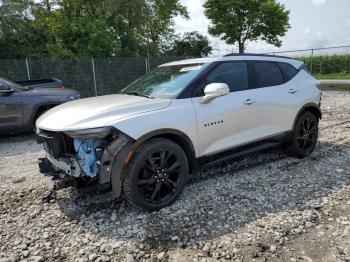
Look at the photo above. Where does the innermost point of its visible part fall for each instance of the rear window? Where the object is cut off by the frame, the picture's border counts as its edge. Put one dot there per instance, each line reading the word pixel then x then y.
pixel 288 70
pixel 305 69
pixel 268 74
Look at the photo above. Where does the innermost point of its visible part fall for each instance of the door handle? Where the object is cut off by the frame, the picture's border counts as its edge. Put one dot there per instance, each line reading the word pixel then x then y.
pixel 249 102
pixel 292 91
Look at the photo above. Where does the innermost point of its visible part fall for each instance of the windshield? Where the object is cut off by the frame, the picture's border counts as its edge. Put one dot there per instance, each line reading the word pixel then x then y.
pixel 12 84
pixel 164 82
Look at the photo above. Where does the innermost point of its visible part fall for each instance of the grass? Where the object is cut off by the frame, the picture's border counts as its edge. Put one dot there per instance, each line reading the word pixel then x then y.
pixel 342 75
pixel 335 87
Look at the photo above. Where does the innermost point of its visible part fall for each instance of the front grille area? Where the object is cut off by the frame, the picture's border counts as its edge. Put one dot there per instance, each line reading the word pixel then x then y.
pixel 56 144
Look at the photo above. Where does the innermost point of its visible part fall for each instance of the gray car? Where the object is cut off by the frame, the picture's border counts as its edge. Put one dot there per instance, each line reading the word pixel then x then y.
pixel 20 106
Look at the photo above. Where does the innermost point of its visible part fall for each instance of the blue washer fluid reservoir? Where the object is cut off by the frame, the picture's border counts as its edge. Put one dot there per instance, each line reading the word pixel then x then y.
pixel 86 149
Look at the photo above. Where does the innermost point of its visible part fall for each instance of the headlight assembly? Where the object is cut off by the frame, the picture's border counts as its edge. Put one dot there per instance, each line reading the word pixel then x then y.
pixel 99 132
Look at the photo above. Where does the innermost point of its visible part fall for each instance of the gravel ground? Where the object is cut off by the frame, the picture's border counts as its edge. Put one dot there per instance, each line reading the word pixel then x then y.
pixel 266 207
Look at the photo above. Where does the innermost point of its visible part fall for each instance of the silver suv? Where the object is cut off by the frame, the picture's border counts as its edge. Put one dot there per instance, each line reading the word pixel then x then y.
pixel 146 140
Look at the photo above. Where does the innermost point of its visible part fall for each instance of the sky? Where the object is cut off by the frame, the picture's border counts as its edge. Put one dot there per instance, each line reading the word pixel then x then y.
pixel 314 24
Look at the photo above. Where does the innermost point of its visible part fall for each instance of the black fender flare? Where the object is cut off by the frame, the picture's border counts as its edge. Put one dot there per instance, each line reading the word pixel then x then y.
pixel 312 106
pixel 187 146
pixel 164 131
pixel 122 158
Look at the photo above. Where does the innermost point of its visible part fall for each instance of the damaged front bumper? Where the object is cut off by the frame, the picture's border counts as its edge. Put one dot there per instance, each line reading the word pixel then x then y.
pixel 92 158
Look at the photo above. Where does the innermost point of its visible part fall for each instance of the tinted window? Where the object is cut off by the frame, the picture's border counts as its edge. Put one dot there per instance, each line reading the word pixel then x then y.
pixel 9 84
pixel 235 75
pixel 268 74
pixel 305 69
pixel 288 70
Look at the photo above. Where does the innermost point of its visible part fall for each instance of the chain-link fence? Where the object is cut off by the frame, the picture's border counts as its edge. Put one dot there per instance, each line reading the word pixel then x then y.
pixel 107 76
pixel 88 76
pixel 322 61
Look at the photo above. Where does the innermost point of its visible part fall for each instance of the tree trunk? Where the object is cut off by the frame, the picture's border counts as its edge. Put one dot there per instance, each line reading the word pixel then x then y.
pixel 48 6
pixel 241 48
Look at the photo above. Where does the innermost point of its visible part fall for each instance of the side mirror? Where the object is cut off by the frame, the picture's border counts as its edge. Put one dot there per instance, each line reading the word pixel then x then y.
pixel 213 91
pixel 6 91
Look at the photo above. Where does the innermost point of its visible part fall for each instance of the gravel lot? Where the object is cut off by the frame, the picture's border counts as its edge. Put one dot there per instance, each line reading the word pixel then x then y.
pixel 266 207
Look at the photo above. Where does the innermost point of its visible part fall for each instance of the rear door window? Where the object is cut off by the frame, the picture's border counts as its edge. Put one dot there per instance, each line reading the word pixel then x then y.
pixel 288 70
pixel 234 74
pixel 268 74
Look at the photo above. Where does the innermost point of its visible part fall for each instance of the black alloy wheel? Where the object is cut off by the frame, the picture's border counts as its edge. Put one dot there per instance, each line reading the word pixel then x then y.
pixel 157 174
pixel 305 135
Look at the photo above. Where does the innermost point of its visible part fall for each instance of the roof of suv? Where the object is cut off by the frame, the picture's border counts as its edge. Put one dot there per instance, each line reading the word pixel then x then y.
pixel 237 57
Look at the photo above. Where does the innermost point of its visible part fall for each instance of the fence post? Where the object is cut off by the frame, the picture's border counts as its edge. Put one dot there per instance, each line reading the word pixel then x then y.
pixel 27 66
pixel 146 62
pixel 94 74
pixel 312 60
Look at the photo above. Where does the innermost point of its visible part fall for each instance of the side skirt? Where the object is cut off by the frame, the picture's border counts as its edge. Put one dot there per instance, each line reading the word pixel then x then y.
pixel 237 152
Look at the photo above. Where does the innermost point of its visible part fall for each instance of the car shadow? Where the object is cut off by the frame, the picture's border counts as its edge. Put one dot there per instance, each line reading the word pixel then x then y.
pixel 221 199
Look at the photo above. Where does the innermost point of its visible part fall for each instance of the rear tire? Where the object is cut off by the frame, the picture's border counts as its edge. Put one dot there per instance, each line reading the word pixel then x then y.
pixel 156 175
pixel 305 135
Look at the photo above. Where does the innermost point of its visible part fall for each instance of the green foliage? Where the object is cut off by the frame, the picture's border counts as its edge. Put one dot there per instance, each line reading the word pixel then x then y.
pixel 323 65
pixel 15 28
pixel 341 75
pixel 85 28
pixel 159 22
pixel 191 44
pixel 239 21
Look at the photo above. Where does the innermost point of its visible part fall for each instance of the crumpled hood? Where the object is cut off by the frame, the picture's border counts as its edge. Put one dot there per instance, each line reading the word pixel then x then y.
pixel 97 112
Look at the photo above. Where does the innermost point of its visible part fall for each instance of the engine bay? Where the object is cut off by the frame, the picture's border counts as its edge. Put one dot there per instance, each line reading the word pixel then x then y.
pixel 83 161
pixel 89 152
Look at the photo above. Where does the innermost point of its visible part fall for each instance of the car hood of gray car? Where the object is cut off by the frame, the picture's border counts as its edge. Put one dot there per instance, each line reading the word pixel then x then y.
pixel 50 91
pixel 97 112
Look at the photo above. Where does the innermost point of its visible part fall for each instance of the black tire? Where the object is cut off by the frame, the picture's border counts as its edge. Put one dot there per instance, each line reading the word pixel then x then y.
pixel 156 175
pixel 37 115
pixel 305 135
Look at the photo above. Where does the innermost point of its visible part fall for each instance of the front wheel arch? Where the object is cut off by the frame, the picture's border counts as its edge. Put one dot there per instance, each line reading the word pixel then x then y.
pixel 175 136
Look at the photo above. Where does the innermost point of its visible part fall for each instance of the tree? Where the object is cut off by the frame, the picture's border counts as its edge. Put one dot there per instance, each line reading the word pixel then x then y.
pixel 77 29
pixel 86 28
pixel 54 29
pixel 239 21
pixel 159 20
pixel 191 44
pixel 15 28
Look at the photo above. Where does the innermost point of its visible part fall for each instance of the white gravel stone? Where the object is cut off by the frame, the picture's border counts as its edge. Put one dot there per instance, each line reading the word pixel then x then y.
pixel 241 210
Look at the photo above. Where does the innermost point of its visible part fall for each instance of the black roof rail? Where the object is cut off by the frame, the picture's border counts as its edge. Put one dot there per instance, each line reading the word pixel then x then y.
pixel 251 54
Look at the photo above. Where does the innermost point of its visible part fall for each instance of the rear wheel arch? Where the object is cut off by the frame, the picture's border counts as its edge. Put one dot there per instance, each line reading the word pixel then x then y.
pixel 310 107
pixel 305 135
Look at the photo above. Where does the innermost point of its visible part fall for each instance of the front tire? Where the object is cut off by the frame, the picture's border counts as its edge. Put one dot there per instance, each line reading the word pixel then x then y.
pixel 36 117
pixel 305 135
pixel 156 175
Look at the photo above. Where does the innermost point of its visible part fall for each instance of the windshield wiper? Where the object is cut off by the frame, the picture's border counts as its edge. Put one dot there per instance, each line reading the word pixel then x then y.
pixel 139 94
